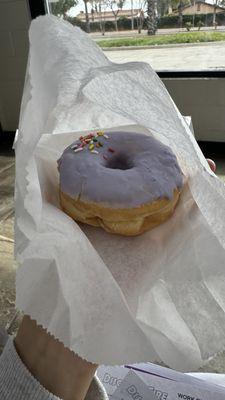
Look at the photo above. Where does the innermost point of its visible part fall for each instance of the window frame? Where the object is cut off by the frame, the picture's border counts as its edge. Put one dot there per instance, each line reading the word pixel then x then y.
pixel 192 74
pixel 36 8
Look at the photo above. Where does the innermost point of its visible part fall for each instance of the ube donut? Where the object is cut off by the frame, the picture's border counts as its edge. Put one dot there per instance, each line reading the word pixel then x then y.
pixel 124 182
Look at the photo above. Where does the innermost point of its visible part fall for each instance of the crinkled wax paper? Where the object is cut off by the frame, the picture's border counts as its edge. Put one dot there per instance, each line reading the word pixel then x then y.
pixel 111 299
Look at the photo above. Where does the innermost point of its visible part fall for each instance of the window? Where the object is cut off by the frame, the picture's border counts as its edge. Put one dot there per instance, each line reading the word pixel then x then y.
pixel 187 48
pixel 190 36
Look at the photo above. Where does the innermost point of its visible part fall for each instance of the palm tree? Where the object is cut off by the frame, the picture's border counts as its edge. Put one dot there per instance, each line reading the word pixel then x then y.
pixel 180 14
pixel 214 13
pixel 87 17
pixel 151 18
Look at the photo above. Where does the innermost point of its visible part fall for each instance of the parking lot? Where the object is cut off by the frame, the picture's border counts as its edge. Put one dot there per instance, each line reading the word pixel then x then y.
pixel 187 57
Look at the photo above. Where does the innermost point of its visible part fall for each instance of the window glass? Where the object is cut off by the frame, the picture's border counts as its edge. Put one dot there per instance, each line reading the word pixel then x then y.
pixel 172 35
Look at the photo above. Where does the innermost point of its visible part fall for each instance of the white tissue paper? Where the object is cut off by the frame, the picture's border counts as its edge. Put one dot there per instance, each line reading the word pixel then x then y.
pixel 156 297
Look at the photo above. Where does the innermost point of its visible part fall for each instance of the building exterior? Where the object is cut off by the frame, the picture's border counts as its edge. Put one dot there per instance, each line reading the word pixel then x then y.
pixel 108 15
pixel 200 7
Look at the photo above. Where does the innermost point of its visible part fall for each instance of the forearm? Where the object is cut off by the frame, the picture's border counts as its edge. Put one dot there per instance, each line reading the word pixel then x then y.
pixel 16 382
pixel 58 369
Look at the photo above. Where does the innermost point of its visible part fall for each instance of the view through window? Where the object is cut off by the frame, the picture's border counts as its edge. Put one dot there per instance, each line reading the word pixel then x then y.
pixel 172 35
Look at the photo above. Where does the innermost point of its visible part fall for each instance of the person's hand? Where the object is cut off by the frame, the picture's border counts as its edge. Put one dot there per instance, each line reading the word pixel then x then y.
pixel 212 164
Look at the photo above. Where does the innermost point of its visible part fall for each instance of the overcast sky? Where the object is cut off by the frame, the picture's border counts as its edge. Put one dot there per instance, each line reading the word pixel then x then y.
pixel 80 7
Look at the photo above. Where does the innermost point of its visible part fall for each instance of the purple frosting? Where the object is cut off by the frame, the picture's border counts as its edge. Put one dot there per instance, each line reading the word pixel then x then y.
pixel 137 170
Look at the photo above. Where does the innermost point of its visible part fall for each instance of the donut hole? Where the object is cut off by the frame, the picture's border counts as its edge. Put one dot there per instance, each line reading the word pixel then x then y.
pixel 119 161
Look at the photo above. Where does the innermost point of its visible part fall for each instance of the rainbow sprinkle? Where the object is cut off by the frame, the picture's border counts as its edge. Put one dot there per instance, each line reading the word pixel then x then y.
pixel 91 141
pixel 111 150
pixel 79 149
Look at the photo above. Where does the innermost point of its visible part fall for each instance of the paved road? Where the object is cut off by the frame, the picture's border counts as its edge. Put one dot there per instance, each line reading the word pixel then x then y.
pixel 134 33
pixel 207 56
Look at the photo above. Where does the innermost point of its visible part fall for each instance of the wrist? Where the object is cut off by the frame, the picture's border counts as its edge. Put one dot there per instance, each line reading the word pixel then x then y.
pixel 57 368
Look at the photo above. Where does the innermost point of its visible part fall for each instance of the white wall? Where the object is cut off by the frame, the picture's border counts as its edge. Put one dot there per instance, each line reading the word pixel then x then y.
pixel 204 100
pixel 14 24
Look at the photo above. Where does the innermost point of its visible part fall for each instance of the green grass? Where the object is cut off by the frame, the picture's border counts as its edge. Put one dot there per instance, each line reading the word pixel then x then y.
pixel 188 37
